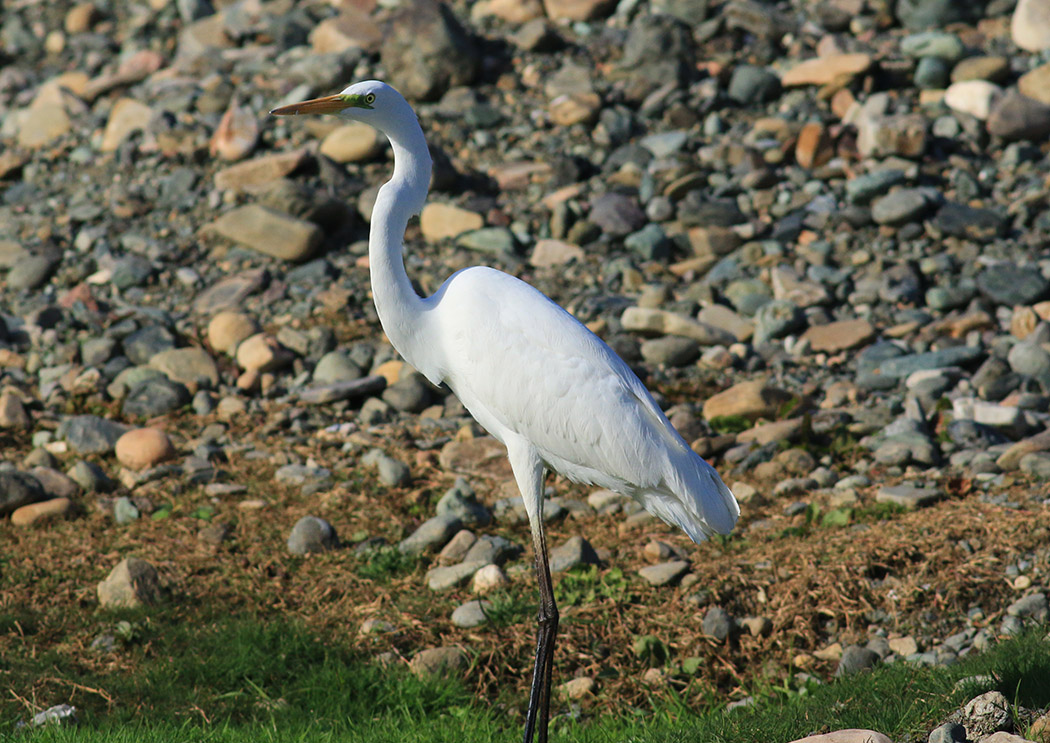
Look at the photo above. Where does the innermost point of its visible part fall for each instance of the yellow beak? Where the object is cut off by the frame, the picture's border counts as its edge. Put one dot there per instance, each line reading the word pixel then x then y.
pixel 330 104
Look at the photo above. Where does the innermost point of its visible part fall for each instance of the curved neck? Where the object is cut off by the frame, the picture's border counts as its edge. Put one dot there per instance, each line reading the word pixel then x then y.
pixel 400 308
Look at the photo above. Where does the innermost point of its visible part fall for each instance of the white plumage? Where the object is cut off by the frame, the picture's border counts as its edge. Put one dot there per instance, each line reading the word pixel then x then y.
pixel 530 373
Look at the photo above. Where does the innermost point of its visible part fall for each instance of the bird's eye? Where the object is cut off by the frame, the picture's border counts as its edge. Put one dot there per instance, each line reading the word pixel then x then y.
pixel 370 98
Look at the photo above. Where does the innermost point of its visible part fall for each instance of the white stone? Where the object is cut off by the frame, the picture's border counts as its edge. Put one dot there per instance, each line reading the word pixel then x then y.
pixel 974 97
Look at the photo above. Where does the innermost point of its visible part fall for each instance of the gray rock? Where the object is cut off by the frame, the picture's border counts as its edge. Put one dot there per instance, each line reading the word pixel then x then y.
pixel 90 477
pixel 124 510
pixel 460 501
pixel 439 662
pixel 616 214
pixel 89 434
pixel 431 535
pixel 31 271
pixel 426 51
pixel 1010 284
pixel 949 732
pixel 409 394
pixel 718 623
pixel 671 350
pixel 916 15
pixel 777 318
pixel 932 73
pixel 986 714
pixel 311 534
pixel 649 243
pixel 393 473
pixel 665 573
pixel 449 576
pixel 471 614
pixel 348 390
pixel 492 550
pixel 1034 605
pixel 18 489
pixel 144 344
pixel 658 51
pixel 489 240
pixel 1016 116
pixel 133 582
pixel 751 85
pixel 131 270
pixel 576 551
pixel 864 188
pixel 856 658
pixel 903 366
pixel 938 44
pixel 908 496
pixel 301 474
pixel 60 714
pixel 335 367
pixel 900 206
pixel 155 397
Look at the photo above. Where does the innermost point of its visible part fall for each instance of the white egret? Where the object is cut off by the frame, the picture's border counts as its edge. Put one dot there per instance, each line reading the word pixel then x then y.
pixel 529 372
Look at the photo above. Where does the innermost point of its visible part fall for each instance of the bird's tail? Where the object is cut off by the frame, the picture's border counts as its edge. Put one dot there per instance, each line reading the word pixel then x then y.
pixel 694 498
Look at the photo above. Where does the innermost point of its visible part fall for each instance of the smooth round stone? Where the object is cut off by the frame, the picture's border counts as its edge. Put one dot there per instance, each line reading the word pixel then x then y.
pixel 933 44
pixel 335 366
pixel 899 207
pixel 671 350
pixel 144 447
pixel 36 513
pixel 489 578
pixel 1010 284
pixel 144 344
pixel 131 270
pixel 471 614
pixel 30 272
pixel 155 397
pixel 311 534
pixel 717 623
pixel 974 97
pixel 227 329
pixel 994 69
pixel 750 85
pixel 856 658
pixel 932 73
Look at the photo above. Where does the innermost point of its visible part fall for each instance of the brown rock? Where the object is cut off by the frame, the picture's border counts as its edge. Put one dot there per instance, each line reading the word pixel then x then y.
pixel 12 412
pixel 352 143
pixel 392 370
pixel 42 124
pixel 441 221
pixel 748 399
pixel 662 322
pixel 814 146
pixel 351 29
pixel 442 662
pixel 133 582
pixel 191 366
pixel 993 69
pixel 227 329
pixel 268 231
pixel 577 688
pixel 37 513
pixel 511 11
pixel 721 317
pixel 262 353
pixel 141 448
pixel 786 430
pixel 549 253
pixel 1017 116
pixel 575 108
pixel 260 171
pixel 1036 84
pixel 839 336
pixel 483 456
pixel 838 68
pixel 80 18
pixel 126 117
pixel 902 134
pixel 1023 322
pixel 1011 458
pixel 236 135
pixel 578 10
pixel 847 736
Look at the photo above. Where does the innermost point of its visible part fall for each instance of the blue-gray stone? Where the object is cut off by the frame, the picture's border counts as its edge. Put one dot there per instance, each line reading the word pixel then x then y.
pixel 131 270
pixel 492 549
pixel 932 73
pixel 124 511
pixel 649 243
pixel 18 489
pixel 575 551
pixel 717 623
pixel 902 366
pixel 155 397
pixel 1010 284
pixel 900 206
pixel 336 366
pixel 943 298
pixel 750 85
pixel 431 535
pixel 311 534
pixel 490 240
pixel 917 15
pixel 460 501
pixel 854 659
pixel 145 343
pixel 664 144
pixel 937 44
pixel 777 318
pixel 864 188
pixel 89 434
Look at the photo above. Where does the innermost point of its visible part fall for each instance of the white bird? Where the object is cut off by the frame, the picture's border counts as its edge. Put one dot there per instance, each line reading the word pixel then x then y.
pixel 528 371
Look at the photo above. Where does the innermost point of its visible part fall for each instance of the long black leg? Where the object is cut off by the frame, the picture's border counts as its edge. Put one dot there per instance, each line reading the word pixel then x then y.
pixel 540 695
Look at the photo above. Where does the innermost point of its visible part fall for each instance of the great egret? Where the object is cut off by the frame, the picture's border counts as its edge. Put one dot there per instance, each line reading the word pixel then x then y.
pixel 529 372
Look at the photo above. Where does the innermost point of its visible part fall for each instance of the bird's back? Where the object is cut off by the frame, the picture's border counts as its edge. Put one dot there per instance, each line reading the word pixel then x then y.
pixel 524 367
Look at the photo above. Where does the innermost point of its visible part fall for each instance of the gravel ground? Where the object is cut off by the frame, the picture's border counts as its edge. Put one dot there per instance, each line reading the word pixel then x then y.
pixel 817 229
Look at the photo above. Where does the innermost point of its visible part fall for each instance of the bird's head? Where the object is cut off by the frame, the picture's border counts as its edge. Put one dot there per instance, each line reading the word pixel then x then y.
pixel 371 102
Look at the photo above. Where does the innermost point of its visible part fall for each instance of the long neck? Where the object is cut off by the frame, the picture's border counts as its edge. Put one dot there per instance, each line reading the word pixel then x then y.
pixel 400 308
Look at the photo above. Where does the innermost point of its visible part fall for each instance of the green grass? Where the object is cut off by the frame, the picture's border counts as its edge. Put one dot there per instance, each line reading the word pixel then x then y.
pixel 232 680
